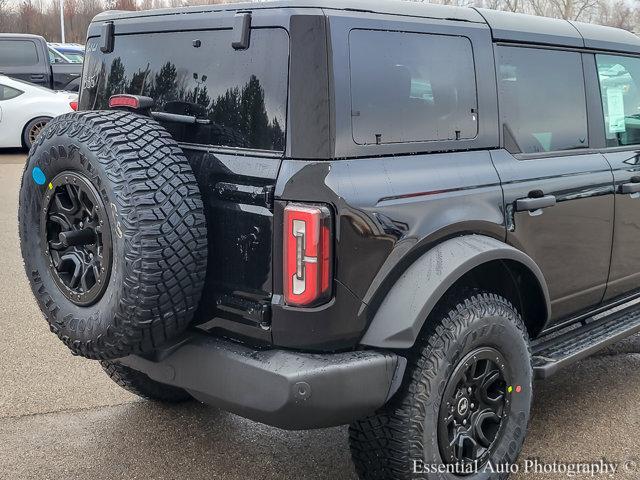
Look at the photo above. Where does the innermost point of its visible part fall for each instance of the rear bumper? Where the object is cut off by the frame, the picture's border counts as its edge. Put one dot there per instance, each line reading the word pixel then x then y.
pixel 286 389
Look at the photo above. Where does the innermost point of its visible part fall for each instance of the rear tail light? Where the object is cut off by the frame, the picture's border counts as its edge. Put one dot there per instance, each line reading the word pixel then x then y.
pixel 307 254
pixel 74 106
pixel 128 101
pixel 135 102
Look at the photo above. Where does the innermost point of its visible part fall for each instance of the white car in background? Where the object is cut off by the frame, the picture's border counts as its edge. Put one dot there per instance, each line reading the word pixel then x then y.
pixel 26 108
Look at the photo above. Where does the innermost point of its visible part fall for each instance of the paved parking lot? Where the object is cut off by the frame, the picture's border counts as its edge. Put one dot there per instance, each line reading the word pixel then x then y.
pixel 61 418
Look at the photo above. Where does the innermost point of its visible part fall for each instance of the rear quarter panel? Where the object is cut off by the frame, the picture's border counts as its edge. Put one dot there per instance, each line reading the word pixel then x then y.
pixel 390 204
pixel 390 210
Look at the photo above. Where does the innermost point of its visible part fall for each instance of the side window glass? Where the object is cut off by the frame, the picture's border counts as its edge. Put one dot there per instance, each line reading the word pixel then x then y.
pixel 542 100
pixel 7 93
pixel 619 81
pixel 18 53
pixel 411 87
pixel 55 57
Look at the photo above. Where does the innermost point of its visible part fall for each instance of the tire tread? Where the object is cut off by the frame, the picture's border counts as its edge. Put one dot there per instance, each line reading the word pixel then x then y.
pixel 140 384
pixel 384 445
pixel 162 219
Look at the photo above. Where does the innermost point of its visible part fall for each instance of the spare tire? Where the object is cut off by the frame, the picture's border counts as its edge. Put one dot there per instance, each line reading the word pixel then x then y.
pixel 112 232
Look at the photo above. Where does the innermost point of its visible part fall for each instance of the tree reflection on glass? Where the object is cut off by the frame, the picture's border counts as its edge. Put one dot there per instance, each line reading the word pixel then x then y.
pixel 237 118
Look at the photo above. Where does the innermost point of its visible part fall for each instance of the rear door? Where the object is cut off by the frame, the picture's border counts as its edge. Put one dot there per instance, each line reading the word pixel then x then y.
pixel 619 78
pixel 558 194
pixel 65 73
pixel 227 109
pixel 23 59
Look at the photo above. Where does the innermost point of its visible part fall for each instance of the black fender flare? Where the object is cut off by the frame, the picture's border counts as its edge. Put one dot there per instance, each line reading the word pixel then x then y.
pixel 403 312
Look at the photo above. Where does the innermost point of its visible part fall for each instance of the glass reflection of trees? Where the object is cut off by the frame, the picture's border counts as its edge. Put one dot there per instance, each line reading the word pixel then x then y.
pixel 237 118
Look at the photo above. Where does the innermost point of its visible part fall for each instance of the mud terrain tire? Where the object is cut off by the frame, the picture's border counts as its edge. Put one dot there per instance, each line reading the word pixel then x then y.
pixel 403 440
pixel 140 384
pixel 112 192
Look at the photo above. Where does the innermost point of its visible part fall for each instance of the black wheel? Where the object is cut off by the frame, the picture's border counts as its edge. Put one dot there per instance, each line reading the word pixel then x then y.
pixel 76 234
pixel 140 384
pixel 464 407
pixel 33 129
pixel 113 233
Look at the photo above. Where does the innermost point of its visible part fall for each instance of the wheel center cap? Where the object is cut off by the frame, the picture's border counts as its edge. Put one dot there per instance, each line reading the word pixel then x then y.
pixel 463 406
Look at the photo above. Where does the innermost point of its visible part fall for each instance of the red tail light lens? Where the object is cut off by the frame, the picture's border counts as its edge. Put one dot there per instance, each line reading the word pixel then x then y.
pixel 307 254
pixel 74 106
pixel 128 101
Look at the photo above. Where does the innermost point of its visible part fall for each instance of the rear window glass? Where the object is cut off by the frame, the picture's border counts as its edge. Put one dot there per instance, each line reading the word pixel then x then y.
pixel 238 96
pixel 411 87
pixel 7 93
pixel 18 53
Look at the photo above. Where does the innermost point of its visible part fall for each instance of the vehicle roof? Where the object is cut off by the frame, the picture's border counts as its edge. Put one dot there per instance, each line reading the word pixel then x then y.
pixel 66 49
pixel 24 86
pixel 32 89
pixel 21 35
pixel 390 7
pixel 519 27
pixel 75 46
pixel 608 38
pixel 505 26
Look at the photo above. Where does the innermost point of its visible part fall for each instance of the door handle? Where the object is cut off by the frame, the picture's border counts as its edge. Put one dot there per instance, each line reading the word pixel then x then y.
pixel 37 76
pixel 535 203
pixel 631 187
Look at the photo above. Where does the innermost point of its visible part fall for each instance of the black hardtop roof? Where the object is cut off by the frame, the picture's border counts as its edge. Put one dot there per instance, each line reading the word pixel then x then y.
pixel 390 7
pixel 505 26
pixel 519 27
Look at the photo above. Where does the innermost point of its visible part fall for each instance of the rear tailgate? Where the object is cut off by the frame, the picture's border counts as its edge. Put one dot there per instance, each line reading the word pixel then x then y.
pixel 239 98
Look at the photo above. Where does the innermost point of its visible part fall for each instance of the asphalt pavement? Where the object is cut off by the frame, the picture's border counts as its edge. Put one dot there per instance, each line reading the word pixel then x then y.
pixel 62 418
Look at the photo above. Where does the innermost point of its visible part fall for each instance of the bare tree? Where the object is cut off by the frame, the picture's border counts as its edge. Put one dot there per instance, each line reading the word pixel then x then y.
pixel 617 14
pixel 4 14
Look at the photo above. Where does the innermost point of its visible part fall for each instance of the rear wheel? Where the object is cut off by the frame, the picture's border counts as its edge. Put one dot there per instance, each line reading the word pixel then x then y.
pixel 32 130
pixel 465 403
pixel 140 384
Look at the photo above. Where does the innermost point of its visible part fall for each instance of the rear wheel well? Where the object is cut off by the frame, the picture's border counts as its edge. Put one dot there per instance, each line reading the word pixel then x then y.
pixel 27 125
pixel 513 281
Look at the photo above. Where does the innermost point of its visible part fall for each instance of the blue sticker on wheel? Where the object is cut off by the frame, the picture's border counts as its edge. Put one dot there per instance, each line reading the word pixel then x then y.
pixel 38 176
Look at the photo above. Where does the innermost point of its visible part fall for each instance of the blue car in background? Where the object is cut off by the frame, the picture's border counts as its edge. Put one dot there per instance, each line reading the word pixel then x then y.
pixel 73 52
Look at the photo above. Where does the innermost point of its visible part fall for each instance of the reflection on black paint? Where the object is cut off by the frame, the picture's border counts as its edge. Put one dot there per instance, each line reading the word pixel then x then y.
pixel 249 114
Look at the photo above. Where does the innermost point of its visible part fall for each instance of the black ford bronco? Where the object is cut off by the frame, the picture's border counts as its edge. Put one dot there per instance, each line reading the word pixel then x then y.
pixel 394 215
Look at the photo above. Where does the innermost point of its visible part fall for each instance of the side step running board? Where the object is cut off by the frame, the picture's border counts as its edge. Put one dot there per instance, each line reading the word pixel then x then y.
pixel 552 354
